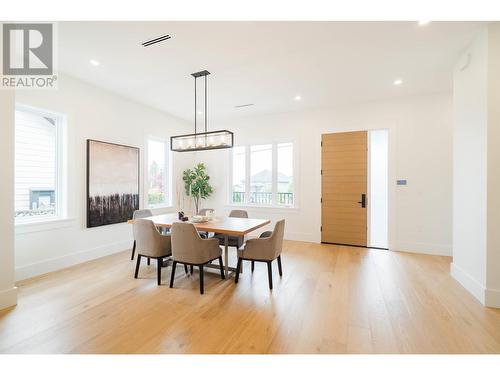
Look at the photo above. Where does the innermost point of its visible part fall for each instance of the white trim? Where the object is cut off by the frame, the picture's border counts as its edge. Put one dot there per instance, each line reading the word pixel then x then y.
pixel 473 286
pixel 273 208
pixel 8 298
pixel 423 248
pixel 57 263
pixel 43 225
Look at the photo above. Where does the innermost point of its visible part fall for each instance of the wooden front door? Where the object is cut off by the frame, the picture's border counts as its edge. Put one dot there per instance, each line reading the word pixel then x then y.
pixel 344 188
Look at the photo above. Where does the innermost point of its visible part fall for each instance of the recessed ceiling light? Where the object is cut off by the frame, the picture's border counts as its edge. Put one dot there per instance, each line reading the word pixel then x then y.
pixel 398 82
pixel 423 23
pixel 95 62
pixel 298 97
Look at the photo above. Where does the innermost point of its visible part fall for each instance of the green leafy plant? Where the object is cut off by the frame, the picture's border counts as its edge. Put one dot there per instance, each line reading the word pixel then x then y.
pixel 196 184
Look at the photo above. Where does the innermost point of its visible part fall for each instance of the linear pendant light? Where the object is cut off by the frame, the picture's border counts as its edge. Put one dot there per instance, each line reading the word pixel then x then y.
pixel 206 140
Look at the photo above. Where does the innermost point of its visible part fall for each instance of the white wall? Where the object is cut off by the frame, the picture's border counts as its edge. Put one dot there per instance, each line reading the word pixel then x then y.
pixel 8 294
pixel 476 216
pixel 492 295
pixel 469 167
pixel 420 150
pixel 97 114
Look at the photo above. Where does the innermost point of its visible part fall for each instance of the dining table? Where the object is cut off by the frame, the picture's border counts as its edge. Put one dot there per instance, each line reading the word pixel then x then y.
pixel 227 226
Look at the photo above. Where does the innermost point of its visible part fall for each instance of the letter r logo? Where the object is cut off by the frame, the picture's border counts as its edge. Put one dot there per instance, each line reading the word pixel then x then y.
pixel 27 49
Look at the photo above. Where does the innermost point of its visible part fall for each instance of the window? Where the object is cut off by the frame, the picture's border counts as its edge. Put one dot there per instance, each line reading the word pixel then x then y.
pixel 285 174
pixel 263 175
pixel 158 174
pixel 239 178
pixel 38 164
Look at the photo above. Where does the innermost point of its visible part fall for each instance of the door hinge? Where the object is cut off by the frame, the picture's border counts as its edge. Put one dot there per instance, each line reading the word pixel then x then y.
pixel 321 143
pixel 322 172
pixel 321 200
pixel 321 229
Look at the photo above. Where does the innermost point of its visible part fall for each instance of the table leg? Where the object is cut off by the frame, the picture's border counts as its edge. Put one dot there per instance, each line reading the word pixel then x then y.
pixel 226 255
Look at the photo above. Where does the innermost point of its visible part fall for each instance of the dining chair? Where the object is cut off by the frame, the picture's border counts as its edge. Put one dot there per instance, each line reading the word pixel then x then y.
pixel 233 241
pixel 189 248
pixel 151 244
pixel 139 214
pixel 264 249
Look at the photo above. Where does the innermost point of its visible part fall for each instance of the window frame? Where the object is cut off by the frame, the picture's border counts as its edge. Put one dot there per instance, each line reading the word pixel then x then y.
pixel 61 211
pixel 273 204
pixel 167 182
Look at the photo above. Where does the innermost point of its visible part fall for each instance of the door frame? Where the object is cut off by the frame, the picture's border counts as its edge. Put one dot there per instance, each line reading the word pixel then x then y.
pixel 391 191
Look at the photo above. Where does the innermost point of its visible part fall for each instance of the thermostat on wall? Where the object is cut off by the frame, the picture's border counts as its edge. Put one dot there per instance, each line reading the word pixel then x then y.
pixel 401 182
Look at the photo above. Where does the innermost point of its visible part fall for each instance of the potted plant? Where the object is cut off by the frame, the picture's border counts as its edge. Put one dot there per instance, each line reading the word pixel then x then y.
pixel 196 184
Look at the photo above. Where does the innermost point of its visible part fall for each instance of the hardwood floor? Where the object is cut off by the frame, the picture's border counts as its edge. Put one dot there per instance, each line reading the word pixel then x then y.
pixel 331 299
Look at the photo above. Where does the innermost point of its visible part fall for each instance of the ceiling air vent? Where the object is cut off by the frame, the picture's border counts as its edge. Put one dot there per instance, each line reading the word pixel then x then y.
pixel 243 105
pixel 150 42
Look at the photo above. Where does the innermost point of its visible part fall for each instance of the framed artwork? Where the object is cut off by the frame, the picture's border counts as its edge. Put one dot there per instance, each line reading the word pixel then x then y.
pixel 112 183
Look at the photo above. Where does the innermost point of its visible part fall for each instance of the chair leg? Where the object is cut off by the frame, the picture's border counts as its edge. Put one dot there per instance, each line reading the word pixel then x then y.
pixel 186 269
pixel 238 266
pixel 137 265
pixel 221 266
pixel 133 251
pixel 270 275
pixel 160 261
pixel 280 270
pixel 201 280
pixel 191 269
pixel 253 265
pixel 172 274
pixel 149 261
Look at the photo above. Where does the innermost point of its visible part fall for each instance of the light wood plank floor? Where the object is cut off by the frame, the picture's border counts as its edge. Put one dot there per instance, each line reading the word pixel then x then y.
pixel 331 299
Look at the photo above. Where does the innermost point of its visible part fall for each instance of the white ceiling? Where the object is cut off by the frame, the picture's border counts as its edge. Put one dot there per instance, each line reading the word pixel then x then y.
pixel 266 63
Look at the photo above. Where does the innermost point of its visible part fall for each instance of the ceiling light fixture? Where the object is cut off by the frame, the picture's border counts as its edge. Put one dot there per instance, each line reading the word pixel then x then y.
pixel 206 140
pixel 298 97
pixel 423 23
pixel 243 105
pixel 398 82
pixel 95 62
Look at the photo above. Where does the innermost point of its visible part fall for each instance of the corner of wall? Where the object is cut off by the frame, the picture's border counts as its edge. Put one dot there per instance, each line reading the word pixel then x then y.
pixel 468 282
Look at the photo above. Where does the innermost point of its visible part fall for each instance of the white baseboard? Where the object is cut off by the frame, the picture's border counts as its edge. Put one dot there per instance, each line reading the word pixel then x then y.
pixel 301 236
pixel 492 298
pixel 473 286
pixel 423 248
pixel 57 263
pixel 8 298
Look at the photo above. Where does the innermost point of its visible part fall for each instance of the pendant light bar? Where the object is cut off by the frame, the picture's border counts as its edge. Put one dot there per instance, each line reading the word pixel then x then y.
pixel 206 140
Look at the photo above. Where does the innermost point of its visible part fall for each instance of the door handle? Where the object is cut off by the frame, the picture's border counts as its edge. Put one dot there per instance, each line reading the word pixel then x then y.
pixel 363 201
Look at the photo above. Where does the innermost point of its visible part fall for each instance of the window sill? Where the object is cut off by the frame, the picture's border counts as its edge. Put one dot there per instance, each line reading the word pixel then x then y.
pixel 273 208
pixel 30 226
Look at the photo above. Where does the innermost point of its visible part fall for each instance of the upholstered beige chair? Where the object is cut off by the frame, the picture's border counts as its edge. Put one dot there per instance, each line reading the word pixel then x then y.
pixel 139 214
pixel 233 241
pixel 189 248
pixel 264 249
pixel 151 244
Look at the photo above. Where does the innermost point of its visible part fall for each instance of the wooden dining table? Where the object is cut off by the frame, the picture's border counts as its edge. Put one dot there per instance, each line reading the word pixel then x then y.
pixel 228 226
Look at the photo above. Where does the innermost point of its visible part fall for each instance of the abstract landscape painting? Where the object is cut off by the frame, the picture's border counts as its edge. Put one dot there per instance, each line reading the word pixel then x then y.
pixel 112 183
